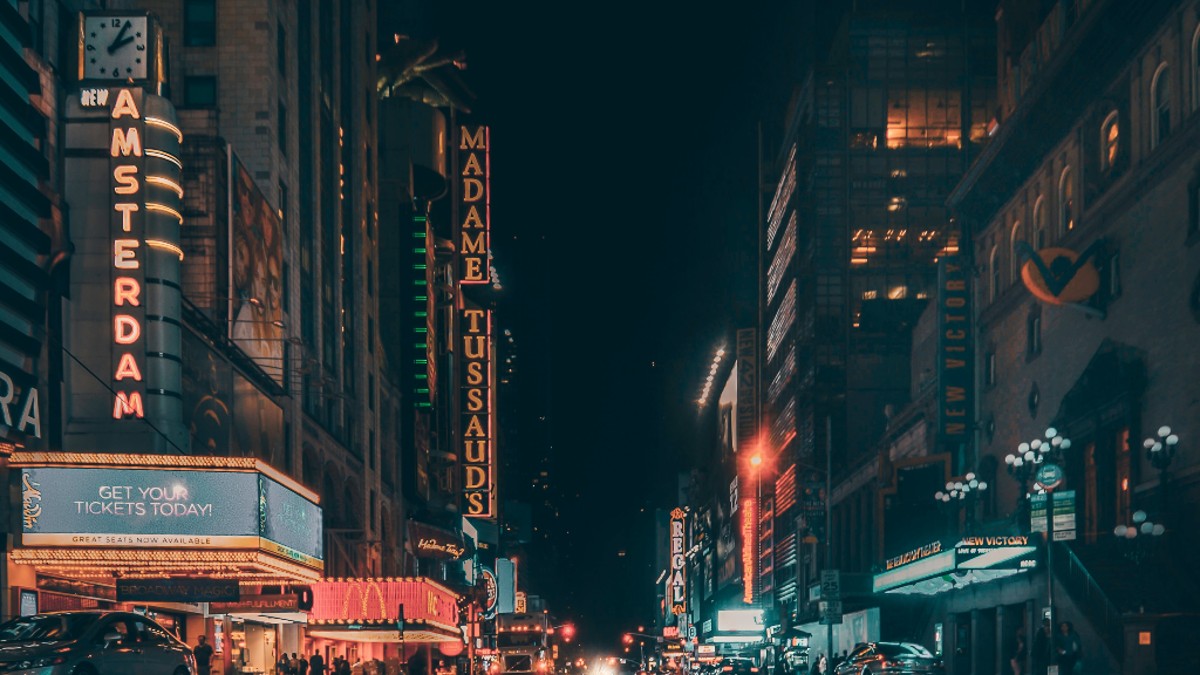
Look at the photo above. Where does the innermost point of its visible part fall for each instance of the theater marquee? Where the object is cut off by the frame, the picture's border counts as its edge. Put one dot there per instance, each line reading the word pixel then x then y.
pixel 478 439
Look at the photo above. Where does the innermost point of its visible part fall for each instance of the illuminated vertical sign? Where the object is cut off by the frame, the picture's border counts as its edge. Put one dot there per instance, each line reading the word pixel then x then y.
pixel 749 549
pixel 128 254
pixel 475 217
pixel 677 583
pixel 747 388
pixel 478 478
pixel 955 363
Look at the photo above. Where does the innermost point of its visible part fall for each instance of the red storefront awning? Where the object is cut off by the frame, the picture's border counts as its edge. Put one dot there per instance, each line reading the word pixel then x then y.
pixel 366 610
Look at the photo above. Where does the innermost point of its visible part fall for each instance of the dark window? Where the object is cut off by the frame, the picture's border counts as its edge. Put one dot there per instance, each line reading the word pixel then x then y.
pixel 281 49
pixel 1193 226
pixel 989 369
pixel 200 23
pixel 1160 93
pixel 1033 334
pixel 371 334
pixel 200 91
pixel 283 131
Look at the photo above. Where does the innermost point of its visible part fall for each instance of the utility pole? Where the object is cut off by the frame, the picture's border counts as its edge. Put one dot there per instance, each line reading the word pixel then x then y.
pixel 829 521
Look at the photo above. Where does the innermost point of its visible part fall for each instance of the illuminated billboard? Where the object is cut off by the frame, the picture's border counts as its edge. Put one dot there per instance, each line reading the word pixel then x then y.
pixel 256 272
pixel 148 508
pixel 740 620
pixel 475 217
pixel 478 437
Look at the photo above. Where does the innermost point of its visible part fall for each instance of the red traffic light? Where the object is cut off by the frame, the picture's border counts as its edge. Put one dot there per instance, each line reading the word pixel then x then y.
pixel 628 639
pixel 568 631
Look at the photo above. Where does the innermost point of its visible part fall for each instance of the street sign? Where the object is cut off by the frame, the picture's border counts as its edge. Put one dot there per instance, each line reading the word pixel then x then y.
pixel 1064 514
pixel 831 585
pixel 831 611
pixel 1049 476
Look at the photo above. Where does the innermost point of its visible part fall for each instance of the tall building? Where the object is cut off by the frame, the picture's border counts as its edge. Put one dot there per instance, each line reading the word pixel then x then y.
pixel 1082 222
pixel 880 128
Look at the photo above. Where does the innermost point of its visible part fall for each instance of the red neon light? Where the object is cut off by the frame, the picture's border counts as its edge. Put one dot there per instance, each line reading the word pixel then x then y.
pixel 346 601
pixel 749 557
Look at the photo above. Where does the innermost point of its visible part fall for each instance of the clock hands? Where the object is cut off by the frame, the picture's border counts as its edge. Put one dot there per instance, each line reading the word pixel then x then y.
pixel 121 40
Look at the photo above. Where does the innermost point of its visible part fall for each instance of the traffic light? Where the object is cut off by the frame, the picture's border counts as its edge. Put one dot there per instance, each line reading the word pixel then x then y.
pixel 628 639
pixel 568 632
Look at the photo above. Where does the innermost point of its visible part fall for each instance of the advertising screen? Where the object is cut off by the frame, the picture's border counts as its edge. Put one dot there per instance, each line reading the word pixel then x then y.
pixel 147 508
pixel 256 240
pixel 290 520
pixel 740 620
pixel 144 508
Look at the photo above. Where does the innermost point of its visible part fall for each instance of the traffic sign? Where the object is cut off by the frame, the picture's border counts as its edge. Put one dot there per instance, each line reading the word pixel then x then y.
pixel 1049 476
pixel 831 611
pixel 831 585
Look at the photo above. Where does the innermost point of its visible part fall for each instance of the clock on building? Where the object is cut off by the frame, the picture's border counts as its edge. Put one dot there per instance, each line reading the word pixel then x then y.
pixel 116 48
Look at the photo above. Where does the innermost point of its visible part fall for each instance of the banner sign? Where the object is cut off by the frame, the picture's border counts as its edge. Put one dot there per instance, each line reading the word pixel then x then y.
pixel 678 579
pixel 996 552
pixel 168 508
pixel 475 188
pixel 177 590
pixel 955 369
pixel 747 388
pixel 478 463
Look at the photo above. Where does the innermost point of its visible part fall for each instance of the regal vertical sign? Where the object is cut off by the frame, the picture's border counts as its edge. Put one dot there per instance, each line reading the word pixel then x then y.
pixel 475 217
pixel 956 372
pixel 128 277
pixel 677 584
pixel 478 445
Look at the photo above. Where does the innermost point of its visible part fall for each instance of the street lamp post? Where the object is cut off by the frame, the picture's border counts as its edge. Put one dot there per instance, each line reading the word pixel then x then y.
pixel 962 493
pixel 1160 451
pixel 1140 535
pixel 1039 458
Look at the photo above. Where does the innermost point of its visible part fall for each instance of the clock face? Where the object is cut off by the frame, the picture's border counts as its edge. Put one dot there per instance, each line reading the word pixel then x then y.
pixel 115 48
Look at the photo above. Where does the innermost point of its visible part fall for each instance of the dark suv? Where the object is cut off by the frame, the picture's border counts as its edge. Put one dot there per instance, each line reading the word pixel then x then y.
pixel 91 643
pixel 892 658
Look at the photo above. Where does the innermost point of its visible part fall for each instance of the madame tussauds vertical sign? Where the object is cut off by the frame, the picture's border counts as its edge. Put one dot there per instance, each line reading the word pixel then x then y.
pixel 127 228
pixel 475 217
pixel 478 478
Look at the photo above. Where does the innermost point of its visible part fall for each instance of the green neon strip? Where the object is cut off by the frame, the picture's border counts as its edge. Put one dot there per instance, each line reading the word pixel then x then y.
pixel 419 266
pixel 421 362
pixel 420 282
pixel 421 314
pixel 419 250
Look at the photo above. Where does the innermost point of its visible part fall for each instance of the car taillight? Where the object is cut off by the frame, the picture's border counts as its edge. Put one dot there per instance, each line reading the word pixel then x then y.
pixel 754 670
pixel 726 669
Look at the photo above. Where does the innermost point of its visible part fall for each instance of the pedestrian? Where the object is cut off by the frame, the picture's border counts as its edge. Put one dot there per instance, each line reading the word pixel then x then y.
pixel 294 664
pixel 282 666
pixel 203 653
pixel 1043 646
pixel 316 664
pixel 344 667
pixel 1069 647
pixel 1016 659
pixel 820 666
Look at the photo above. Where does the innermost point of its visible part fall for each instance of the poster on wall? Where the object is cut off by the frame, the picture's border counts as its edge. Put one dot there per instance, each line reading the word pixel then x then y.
pixel 256 272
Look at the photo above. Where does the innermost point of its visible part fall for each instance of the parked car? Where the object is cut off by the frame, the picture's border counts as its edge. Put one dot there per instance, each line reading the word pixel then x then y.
pixel 892 658
pixel 737 665
pixel 91 643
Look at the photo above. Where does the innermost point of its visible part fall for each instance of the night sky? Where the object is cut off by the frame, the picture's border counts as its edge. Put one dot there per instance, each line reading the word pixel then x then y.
pixel 623 215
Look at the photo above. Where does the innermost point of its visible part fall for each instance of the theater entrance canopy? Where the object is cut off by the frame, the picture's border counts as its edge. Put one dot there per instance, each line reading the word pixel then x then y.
pixel 99 516
pixel 368 610
pixel 938 566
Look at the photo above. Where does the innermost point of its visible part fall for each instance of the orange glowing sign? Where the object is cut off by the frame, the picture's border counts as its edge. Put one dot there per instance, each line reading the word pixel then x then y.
pixel 1060 276
pixel 478 461
pixel 749 549
pixel 127 227
pixel 475 205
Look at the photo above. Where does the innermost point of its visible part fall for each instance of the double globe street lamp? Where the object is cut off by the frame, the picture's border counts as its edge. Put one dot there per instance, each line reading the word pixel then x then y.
pixel 1140 536
pixel 962 493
